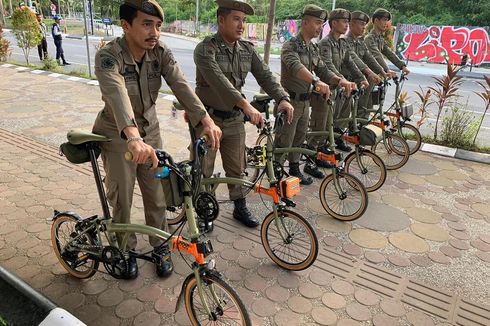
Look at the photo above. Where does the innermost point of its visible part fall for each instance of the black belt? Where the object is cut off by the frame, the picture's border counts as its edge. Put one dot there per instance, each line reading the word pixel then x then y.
pixel 299 97
pixel 223 114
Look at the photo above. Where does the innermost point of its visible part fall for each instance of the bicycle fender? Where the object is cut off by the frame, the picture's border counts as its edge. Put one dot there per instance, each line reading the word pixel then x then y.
pixel 57 214
pixel 178 304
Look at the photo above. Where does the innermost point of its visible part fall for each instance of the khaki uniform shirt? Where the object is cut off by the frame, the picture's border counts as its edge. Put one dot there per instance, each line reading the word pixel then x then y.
pixel 378 47
pixel 130 92
pixel 361 51
pixel 296 54
pixel 221 71
pixel 337 56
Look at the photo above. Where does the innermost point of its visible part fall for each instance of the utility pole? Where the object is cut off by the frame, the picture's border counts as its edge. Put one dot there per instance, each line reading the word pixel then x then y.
pixel 2 13
pixel 197 17
pixel 86 37
pixel 333 5
pixel 270 26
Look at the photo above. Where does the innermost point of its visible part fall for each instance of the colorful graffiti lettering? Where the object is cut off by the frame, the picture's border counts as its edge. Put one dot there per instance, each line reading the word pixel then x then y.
pixel 286 30
pixel 440 43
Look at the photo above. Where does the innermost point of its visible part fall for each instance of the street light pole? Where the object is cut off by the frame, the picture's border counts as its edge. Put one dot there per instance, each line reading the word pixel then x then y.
pixel 197 17
pixel 333 5
pixel 86 37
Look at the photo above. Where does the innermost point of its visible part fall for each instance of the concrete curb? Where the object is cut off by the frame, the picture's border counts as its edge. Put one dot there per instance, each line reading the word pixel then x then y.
pixel 53 314
pixel 429 148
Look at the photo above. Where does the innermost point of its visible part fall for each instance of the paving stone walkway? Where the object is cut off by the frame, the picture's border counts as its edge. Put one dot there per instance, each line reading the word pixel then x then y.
pixel 419 256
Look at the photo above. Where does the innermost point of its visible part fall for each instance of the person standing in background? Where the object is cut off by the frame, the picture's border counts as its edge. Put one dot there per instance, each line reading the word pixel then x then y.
pixel 42 48
pixel 56 32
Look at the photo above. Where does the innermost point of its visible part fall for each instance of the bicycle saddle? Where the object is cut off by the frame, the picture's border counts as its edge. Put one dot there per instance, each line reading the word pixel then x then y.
pixel 80 136
pixel 259 97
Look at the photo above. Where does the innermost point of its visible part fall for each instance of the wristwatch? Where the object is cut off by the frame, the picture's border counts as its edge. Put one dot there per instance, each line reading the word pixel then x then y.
pixel 315 80
pixel 285 98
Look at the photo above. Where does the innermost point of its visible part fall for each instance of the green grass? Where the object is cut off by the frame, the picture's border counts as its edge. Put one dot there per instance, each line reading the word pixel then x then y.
pixel 3 322
pixel 260 49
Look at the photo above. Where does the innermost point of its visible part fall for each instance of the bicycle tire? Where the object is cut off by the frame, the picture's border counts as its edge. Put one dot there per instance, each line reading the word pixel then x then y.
pixel 274 244
pixel 175 217
pixel 373 175
pixel 394 153
pixel 353 190
pixel 412 136
pixel 196 311
pixel 63 254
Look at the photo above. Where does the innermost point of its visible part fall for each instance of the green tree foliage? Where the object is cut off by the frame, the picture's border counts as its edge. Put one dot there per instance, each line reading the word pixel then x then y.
pixel 424 12
pixel 26 30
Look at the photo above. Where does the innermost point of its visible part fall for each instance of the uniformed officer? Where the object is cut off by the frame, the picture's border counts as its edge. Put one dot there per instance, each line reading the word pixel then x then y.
pixel 366 63
pixel 336 54
pixel 223 61
pixel 302 70
pixel 129 70
pixel 377 44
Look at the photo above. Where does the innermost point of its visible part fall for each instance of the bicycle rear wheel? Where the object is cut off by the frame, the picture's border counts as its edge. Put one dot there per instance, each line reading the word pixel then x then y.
pixel 289 240
pixel 346 202
pixel 412 135
pixel 67 241
pixel 393 150
pixel 371 171
pixel 224 303
pixel 175 214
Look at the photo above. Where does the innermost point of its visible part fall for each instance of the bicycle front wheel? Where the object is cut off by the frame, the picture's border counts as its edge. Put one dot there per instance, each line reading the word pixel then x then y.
pixel 345 201
pixel 412 135
pixel 393 150
pixel 370 169
pixel 289 240
pixel 252 171
pixel 224 303
pixel 67 242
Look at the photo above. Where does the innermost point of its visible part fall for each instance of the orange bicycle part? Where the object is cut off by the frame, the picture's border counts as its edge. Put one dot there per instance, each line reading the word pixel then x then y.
pixel 180 244
pixel 326 158
pixel 356 140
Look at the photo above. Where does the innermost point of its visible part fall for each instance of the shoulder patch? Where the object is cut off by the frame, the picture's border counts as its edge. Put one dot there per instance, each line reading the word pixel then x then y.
pixel 107 62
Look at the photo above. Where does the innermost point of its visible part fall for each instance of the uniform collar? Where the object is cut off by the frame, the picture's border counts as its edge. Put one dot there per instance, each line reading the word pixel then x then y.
pixel 222 43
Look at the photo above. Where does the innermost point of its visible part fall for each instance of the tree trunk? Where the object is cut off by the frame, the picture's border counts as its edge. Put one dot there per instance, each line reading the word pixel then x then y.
pixel 270 26
pixel 2 15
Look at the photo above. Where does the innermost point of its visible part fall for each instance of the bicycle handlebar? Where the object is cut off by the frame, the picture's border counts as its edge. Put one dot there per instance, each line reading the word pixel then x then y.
pixel 165 159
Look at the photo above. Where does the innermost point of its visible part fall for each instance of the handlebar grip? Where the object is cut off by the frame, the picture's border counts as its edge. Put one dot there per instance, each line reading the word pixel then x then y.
pixel 128 156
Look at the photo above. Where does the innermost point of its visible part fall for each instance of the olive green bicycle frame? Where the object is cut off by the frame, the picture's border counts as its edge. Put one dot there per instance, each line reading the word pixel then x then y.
pixel 109 228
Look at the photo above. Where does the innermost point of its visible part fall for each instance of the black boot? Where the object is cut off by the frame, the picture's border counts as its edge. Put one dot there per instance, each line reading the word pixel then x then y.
pixel 132 268
pixel 342 146
pixel 313 170
pixel 163 261
pixel 295 172
pixel 242 214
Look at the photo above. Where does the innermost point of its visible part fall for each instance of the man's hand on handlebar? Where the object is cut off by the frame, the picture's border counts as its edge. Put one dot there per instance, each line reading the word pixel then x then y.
pixel 322 88
pixel 405 70
pixel 374 78
pixel 142 153
pixel 364 84
pixel 286 108
pixel 347 86
pixel 212 131
pixel 254 116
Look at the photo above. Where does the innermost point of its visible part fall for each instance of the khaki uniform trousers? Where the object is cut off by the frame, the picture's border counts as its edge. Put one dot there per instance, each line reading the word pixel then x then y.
pixel 342 111
pixel 120 180
pixel 365 102
pixel 232 150
pixel 320 110
pixel 294 134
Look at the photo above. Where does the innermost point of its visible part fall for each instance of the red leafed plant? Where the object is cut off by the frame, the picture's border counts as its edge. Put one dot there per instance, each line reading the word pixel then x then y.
pixel 424 103
pixel 446 88
pixel 485 95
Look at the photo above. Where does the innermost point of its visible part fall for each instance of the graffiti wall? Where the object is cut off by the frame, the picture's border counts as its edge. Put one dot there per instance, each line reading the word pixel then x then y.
pixel 440 43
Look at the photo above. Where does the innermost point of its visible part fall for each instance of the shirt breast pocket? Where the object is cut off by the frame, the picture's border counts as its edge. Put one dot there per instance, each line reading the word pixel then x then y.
pixel 133 88
pixel 154 85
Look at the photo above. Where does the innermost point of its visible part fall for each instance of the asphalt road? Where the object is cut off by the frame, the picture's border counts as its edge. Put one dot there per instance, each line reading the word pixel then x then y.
pixel 76 53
